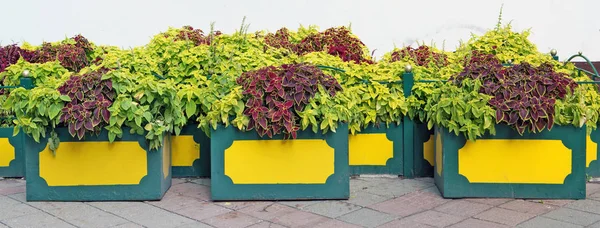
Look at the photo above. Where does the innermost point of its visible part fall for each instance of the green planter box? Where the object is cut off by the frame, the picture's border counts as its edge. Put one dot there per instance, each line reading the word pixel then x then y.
pixel 592 153
pixel 423 150
pixel 377 150
pixel 245 166
pixel 95 170
pixel 12 156
pixel 191 153
pixel 550 164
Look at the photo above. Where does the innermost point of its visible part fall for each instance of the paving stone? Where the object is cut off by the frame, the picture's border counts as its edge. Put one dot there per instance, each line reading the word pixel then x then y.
pixel 425 179
pixel 528 207
pixel 267 210
pixel 434 218
pixel 11 209
pixel 201 181
pixel 177 202
pixel 128 225
pixel 462 208
pixel 147 215
pixel 79 214
pixel 237 205
pixel 266 224
pixel 585 205
pixel 114 206
pixel 595 196
pixel 12 190
pixel 299 204
pixel 176 181
pixel 398 188
pixel 195 225
pixel 366 199
pixel 476 223
pixel 18 197
pixel 3 226
pixel 404 223
pixel 332 209
pixel 38 219
pixel 546 222
pixel 504 216
pixel 591 188
pixel 191 190
pixel 410 204
pixel 202 210
pixel 232 219
pixel 489 201
pixel 595 225
pixel 367 218
pixel 573 216
pixel 433 190
pixel 299 219
pixel 335 223
pixel 559 203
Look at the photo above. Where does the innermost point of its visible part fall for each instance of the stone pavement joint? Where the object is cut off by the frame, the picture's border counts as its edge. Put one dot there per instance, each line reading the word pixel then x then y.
pixel 375 201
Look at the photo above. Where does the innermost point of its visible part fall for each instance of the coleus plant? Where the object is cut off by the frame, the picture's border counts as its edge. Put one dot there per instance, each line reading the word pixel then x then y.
pixel 421 56
pixel 523 95
pixel 90 97
pixel 335 41
pixel 274 95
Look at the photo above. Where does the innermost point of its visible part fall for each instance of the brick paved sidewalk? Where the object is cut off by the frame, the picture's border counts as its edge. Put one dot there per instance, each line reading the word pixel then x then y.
pixel 375 202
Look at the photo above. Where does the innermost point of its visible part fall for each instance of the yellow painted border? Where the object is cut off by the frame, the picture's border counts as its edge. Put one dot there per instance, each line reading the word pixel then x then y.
pixel 94 164
pixel 298 161
pixel 370 149
pixel 515 161
pixel 591 151
pixel 7 152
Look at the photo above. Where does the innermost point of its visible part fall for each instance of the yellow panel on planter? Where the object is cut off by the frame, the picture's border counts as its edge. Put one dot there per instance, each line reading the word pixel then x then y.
pixel 370 149
pixel 298 161
pixel 591 151
pixel 515 161
pixel 166 156
pixel 438 154
pixel 185 150
pixel 7 154
pixel 428 150
pixel 94 163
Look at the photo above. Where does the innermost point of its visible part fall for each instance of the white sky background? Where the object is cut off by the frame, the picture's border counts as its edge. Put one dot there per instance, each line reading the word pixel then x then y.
pixel 567 25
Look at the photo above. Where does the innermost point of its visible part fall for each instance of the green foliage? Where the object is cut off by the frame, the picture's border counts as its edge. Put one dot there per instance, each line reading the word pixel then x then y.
pixel 146 105
pixel 463 110
pixel 49 74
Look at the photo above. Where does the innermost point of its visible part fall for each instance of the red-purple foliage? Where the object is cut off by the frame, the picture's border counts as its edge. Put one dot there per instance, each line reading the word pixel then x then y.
pixel 335 41
pixel 275 94
pixel 10 54
pixel 196 36
pixel 422 56
pixel 90 99
pixel 523 95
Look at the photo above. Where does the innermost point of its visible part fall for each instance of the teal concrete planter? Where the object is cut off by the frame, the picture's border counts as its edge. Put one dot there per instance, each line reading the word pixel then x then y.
pixel 423 150
pixel 95 170
pixel 549 164
pixel 377 150
pixel 245 166
pixel 12 156
pixel 592 153
pixel 191 153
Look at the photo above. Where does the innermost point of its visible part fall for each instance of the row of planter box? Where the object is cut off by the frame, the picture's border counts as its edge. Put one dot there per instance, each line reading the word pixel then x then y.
pixel 243 166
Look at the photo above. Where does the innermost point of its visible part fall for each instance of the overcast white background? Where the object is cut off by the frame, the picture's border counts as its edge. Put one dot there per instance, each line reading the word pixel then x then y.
pixel 567 25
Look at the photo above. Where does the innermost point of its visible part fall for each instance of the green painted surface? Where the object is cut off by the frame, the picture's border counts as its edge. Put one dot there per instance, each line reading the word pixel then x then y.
pixel 201 167
pixel 594 168
pixel 16 168
pixel 337 185
pixel 421 135
pixel 393 165
pixel 152 187
pixel 453 185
